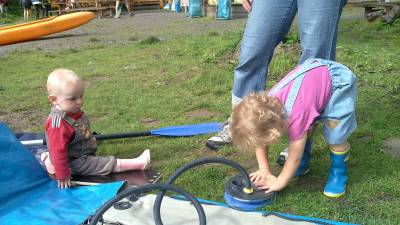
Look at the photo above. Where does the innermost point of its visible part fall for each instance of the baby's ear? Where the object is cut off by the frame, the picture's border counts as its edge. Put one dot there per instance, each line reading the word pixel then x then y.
pixel 52 99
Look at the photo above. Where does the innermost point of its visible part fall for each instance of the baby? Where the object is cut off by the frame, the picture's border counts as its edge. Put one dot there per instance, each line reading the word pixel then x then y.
pixel 72 147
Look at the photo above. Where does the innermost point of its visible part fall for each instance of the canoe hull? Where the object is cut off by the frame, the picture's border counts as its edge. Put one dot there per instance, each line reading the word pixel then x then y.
pixel 36 29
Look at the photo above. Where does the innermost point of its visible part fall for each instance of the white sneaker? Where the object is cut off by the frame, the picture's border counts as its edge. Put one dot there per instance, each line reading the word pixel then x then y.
pixel 146 157
pixel 222 138
pixel 282 157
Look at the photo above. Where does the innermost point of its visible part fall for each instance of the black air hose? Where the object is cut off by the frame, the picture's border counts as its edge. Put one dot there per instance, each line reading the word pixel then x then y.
pixel 137 190
pixel 178 172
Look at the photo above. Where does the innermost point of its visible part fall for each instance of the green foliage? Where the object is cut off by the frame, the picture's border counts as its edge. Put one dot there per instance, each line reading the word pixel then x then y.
pixel 133 39
pixel 150 40
pixel 94 39
pixel 213 33
pixel 14 12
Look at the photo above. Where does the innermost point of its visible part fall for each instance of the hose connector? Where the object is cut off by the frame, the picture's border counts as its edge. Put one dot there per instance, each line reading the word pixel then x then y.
pixel 248 190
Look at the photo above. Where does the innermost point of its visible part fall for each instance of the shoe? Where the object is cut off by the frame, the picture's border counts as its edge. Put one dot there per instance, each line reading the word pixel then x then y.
pixel 141 162
pixel 282 157
pixel 146 156
pixel 304 166
pixel 220 140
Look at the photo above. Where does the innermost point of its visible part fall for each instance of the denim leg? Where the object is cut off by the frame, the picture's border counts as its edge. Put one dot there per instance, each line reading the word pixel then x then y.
pixel 267 24
pixel 318 25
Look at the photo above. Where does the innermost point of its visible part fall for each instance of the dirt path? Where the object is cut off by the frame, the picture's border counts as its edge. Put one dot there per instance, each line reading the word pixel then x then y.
pixel 143 24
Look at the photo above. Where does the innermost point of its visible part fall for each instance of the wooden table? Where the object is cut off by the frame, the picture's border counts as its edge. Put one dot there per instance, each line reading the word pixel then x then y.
pixel 388 11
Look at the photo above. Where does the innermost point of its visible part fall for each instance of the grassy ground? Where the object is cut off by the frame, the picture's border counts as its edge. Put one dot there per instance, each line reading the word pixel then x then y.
pixel 151 84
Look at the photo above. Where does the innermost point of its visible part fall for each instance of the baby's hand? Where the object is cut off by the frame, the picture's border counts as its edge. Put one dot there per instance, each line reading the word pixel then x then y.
pixel 64 183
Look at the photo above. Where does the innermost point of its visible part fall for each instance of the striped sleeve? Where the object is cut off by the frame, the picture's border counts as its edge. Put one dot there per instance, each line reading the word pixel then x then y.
pixel 55 121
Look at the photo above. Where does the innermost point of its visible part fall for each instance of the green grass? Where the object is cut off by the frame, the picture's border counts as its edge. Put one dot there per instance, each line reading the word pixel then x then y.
pixel 164 80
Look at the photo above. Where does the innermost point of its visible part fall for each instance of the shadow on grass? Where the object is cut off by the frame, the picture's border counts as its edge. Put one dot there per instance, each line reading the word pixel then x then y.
pixel 59 36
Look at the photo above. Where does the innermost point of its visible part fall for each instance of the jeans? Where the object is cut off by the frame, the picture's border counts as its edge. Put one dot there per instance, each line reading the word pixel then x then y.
pixel 269 22
pixel 341 106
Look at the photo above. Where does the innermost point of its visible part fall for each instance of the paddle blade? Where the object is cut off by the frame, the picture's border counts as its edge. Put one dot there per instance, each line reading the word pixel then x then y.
pixel 187 130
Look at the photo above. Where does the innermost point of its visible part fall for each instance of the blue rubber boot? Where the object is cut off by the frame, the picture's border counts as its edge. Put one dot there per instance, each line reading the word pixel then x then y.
pixel 304 166
pixel 338 175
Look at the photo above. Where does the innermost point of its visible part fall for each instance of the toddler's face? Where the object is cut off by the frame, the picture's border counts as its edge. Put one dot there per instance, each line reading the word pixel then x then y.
pixel 70 98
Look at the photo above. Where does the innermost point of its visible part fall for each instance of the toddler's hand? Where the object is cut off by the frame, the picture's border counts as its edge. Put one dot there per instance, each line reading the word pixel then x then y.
pixel 270 184
pixel 64 183
pixel 259 176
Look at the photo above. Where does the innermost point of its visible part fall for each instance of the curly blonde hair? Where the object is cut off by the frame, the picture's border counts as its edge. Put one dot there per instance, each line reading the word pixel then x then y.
pixel 257 121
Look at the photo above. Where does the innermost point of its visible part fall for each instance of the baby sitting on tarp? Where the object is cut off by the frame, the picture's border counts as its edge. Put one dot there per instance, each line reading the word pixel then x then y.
pixel 72 147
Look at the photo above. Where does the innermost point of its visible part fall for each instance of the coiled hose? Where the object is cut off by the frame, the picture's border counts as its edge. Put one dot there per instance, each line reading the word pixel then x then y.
pixel 137 190
pixel 178 172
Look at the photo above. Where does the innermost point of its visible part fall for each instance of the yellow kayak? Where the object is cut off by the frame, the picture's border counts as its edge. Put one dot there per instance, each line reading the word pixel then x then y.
pixel 33 30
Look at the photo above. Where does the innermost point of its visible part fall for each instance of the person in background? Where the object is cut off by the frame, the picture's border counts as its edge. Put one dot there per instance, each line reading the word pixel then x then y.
pixel 3 4
pixel 46 8
pixel 26 6
pixel 185 5
pixel 37 4
pixel 72 147
pixel 73 4
pixel 205 3
pixel 118 8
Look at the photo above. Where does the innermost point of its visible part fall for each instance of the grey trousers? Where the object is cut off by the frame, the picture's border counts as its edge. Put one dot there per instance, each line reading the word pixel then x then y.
pixel 92 165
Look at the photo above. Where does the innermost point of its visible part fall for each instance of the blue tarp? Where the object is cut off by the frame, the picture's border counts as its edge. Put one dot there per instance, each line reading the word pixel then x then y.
pixel 29 196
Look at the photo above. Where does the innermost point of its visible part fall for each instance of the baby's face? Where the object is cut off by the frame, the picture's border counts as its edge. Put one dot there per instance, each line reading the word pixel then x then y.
pixel 70 98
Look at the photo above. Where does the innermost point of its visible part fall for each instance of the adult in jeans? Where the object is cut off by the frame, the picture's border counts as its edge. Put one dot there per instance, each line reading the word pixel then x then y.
pixel 268 23
pixel 3 4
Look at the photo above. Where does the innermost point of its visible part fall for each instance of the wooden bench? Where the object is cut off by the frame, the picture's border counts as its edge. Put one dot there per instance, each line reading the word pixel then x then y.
pixel 388 11
pixel 106 3
pixel 147 3
pixel 100 7
pixel 100 11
